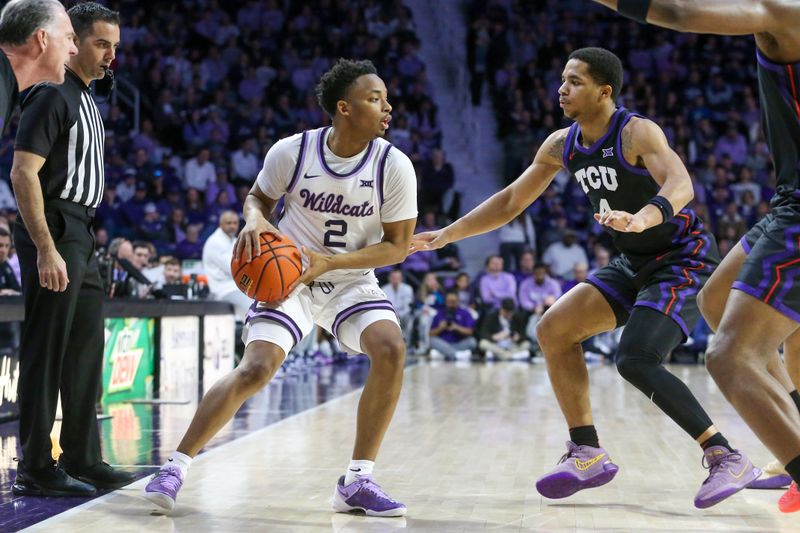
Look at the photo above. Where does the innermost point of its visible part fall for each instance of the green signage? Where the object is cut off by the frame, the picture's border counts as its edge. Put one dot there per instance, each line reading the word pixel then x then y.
pixel 129 359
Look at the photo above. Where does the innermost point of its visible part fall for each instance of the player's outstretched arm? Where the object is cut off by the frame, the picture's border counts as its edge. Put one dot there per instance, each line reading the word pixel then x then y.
pixel 503 206
pixel 722 17
pixel 643 139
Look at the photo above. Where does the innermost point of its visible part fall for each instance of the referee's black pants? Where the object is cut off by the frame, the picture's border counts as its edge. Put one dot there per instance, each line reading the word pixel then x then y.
pixel 62 341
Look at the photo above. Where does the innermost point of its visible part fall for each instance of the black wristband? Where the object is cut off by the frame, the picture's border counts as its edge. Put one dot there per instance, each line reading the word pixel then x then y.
pixel 634 9
pixel 664 206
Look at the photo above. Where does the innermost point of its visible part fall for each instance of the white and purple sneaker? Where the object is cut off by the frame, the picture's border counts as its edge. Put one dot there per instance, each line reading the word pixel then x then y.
pixel 163 488
pixel 364 494
pixel 729 472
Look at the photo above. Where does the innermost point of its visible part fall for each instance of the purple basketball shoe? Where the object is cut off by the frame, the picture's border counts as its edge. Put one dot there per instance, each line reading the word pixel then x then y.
pixel 729 472
pixel 582 467
pixel 163 488
pixel 365 495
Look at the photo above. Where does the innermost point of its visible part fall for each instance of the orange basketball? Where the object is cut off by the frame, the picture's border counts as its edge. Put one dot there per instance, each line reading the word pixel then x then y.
pixel 268 275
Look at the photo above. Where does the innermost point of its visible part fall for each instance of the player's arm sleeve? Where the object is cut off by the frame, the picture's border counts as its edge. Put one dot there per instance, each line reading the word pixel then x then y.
pixel 399 188
pixel 45 116
pixel 279 167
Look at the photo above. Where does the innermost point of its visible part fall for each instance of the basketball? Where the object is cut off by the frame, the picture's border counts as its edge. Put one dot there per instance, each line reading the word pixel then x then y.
pixel 268 276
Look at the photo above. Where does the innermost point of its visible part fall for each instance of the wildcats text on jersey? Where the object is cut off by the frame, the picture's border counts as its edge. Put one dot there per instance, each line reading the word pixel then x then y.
pixel 334 203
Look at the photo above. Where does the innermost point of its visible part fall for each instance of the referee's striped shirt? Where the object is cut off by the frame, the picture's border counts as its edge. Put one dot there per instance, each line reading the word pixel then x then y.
pixel 62 124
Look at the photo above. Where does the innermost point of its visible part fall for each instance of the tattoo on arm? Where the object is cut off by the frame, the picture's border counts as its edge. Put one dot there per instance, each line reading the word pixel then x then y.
pixel 627 148
pixel 556 148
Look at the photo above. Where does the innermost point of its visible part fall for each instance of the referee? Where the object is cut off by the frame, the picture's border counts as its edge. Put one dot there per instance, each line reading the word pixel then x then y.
pixel 36 40
pixel 58 181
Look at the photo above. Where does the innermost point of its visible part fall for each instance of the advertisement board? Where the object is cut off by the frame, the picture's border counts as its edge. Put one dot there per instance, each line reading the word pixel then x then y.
pixel 128 360
pixel 9 369
pixel 180 360
pixel 218 345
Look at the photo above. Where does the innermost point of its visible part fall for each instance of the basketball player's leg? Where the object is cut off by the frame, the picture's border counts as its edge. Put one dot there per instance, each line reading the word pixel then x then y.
pixel 738 360
pixel 712 300
pixel 560 334
pixel 578 315
pixel 714 295
pixel 377 334
pixel 383 343
pixel 258 366
pixel 269 335
pixel 763 313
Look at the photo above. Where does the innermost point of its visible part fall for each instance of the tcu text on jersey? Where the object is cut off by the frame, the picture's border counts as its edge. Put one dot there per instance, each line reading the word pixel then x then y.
pixel 598 176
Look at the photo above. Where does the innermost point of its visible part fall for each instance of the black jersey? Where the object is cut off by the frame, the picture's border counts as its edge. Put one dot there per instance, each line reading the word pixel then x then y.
pixel 611 183
pixel 9 94
pixel 779 94
pixel 62 124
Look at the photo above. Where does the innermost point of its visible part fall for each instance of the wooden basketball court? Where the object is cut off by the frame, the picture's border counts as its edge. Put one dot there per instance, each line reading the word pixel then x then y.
pixel 464 450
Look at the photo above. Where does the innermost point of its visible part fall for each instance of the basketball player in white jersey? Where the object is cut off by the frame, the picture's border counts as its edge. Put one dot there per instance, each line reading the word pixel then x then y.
pixel 350 202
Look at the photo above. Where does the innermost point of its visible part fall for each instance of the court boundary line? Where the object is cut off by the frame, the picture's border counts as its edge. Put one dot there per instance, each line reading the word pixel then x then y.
pixel 53 520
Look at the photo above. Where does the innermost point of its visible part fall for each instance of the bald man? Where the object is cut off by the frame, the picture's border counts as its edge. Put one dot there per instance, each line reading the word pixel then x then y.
pixel 217 253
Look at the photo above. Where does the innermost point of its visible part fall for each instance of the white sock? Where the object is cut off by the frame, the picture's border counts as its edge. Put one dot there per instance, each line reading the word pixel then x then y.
pixel 179 460
pixel 358 469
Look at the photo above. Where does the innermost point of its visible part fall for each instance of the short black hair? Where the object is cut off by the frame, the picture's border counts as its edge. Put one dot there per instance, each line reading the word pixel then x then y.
pixel 83 17
pixel 20 18
pixel 605 68
pixel 4 233
pixel 334 84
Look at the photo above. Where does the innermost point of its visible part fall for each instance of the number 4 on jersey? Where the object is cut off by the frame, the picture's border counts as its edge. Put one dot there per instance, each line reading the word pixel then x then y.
pixel 604 207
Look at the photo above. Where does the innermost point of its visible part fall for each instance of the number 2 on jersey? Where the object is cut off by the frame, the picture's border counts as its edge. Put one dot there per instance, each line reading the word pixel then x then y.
pixel 341 230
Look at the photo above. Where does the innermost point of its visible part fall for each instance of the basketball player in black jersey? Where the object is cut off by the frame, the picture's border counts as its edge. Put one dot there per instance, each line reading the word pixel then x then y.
pixel 639 189
pixel 764 310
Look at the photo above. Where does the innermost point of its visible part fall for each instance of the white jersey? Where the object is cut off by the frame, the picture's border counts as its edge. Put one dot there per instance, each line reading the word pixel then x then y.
pixel 336 205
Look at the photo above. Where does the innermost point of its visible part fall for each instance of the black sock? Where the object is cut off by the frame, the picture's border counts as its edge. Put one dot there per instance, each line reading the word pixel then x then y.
pixel 584 436
pixel 793 468
pixel 717 440
pixel 796 397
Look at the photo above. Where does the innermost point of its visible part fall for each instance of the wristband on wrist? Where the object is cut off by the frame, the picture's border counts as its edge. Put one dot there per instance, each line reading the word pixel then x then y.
pixel 634 9
pixel 664 206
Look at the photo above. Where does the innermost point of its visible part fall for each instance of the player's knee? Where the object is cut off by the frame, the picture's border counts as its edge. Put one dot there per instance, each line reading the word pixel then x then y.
pixel 718 362
pixel 389 356
pixel 625 367
pixel 255 376
pixel 552 331
pixel 631 368
pixel 256 372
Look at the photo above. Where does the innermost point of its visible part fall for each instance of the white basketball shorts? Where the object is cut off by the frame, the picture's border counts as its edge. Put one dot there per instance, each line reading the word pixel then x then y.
pixel 344 308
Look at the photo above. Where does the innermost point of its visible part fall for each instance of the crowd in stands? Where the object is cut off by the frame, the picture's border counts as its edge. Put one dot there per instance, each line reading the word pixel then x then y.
pixel 700 89
pixel 220 82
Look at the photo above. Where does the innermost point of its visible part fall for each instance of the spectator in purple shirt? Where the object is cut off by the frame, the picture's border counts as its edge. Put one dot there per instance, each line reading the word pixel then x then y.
pixel 133 209
pixel 190 247
pixel 452 329
pixel 733 144
pixel 221 184
pixel 495 284
pixel 538 292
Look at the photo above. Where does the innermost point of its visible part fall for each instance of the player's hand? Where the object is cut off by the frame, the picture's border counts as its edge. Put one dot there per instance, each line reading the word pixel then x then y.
pixel 318 264
pixel 248 243
pixel 429 240
pixel 622 221
pixel 52 271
